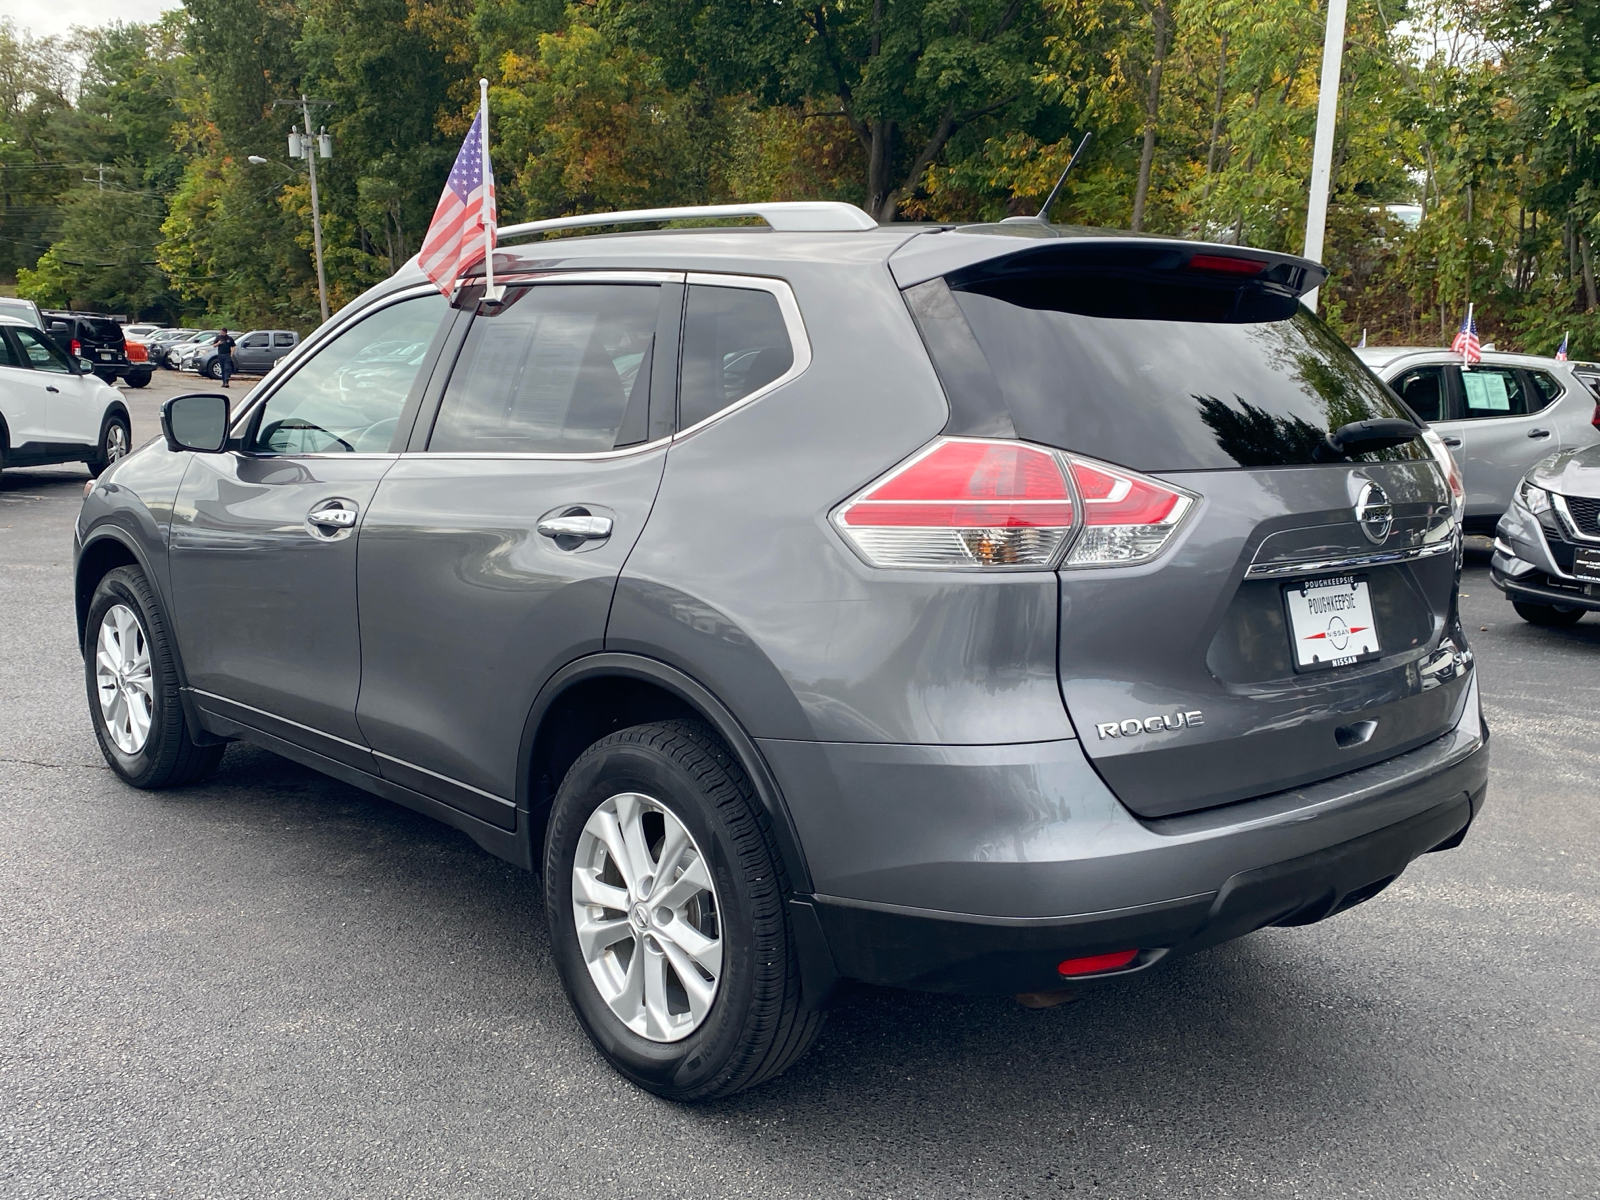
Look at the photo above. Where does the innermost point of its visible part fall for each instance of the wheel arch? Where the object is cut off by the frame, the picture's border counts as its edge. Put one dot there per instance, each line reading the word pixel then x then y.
pixel 595 695
pixel 118 409
pixel 104 552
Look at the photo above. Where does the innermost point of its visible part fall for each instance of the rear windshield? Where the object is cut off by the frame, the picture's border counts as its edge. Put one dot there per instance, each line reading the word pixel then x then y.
pixel 1152 394
pixel 91 329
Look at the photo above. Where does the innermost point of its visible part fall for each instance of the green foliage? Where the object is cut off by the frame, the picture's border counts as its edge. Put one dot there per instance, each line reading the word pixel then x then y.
pixel 1482 116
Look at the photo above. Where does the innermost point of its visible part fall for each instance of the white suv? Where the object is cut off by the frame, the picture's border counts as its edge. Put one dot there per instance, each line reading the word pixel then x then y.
pixel 52 409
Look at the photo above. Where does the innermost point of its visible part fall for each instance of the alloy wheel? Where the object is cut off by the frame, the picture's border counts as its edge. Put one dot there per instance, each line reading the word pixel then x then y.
pixel 647 919
pixel 122 673
pixel 116 441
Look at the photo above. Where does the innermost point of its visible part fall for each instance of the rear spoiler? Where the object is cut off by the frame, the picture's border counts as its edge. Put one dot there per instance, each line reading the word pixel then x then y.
pixel 1111 275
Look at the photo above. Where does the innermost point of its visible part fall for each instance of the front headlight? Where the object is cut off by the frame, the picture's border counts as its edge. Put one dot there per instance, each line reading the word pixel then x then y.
pixel 1535 499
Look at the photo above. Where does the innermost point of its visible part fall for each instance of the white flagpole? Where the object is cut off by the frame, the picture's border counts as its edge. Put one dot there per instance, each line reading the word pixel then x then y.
pixel 1322 146
pixel 491 293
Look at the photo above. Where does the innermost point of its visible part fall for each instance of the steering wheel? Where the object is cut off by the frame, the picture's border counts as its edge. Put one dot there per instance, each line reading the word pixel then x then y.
pixel 300 423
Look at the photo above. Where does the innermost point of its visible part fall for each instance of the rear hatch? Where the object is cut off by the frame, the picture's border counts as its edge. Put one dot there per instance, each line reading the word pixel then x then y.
pixel 100 340
pixel 1197 367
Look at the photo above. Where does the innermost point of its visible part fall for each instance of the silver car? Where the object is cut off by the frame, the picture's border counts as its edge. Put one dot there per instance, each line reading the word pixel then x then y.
pixel 1499 417
pixel 1547 546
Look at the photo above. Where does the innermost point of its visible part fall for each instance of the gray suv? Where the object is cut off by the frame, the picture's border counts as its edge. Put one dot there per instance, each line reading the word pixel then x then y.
pixel 1000 609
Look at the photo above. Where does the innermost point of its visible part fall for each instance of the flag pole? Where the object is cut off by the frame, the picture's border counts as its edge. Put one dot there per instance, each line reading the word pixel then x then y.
pixel 1322 144
pixel 1466 363
pixel 491 293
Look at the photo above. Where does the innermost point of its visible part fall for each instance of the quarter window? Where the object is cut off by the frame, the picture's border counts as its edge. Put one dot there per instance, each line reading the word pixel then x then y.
pixel 40 354
pixel 348 396
pixel 1423 390
pixel 1545 389
pixel 1493 392
pixel 560 369
pixel 734 342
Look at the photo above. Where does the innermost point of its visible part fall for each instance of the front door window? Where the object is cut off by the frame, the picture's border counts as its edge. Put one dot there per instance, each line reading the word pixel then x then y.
pixel 347 398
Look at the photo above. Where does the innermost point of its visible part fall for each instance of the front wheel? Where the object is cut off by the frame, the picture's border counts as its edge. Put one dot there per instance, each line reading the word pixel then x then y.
pixel 667 908
pixel 209 371
pixel 114 443
pixel 1548 615
pixel 132 677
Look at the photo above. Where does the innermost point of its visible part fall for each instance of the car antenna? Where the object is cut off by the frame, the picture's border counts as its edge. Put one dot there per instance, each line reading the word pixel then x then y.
pixel 1043 216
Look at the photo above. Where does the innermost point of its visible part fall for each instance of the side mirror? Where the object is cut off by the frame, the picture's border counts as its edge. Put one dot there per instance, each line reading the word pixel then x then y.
pixel 84 367
pixel 198 422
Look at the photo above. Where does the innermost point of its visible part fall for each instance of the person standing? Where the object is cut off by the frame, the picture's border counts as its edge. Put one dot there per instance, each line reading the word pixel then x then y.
pixel 225 345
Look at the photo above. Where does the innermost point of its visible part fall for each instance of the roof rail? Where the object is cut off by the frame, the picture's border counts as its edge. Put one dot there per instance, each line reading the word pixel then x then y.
pixel 789 216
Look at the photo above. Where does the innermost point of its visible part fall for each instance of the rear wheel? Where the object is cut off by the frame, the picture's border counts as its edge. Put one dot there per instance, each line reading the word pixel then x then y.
pixel 1548 615
pixel 114 443
pixel 668 919
pixel 132 678
pixel 138 379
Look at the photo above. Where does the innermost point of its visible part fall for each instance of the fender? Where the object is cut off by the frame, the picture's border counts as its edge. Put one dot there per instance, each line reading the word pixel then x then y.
pixel 698 697
pixel 109 531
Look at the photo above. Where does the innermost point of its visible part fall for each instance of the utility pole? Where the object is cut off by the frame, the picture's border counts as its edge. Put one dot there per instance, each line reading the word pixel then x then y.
pixel 316 212
pixel 309 145
pixel 1322 149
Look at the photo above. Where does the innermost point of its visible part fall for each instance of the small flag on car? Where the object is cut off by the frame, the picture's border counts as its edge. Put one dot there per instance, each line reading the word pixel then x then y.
pixel 1466 343
pixel 1561 350
pixel 462 232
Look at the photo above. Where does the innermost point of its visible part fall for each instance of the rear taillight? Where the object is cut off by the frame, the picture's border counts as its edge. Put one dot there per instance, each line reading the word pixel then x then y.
pixel 965 502
pixel 1452 471
pixel 1127 518
pixel 77 348
pixel 1595 420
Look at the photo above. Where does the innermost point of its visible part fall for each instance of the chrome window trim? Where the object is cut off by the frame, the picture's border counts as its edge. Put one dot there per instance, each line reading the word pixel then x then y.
pixel 793 322
pixel 579 275
pixel 1354 561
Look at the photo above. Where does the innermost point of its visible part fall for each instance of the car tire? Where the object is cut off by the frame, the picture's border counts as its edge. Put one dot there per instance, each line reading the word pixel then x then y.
pixel 650 778
pixel 1548 615
pixel 138 379
pixel 209 370
pixel 116 439
pixel 126 647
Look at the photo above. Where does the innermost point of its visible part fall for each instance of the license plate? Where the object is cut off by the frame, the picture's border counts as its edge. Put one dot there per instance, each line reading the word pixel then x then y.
pixel 105 354
pixel 1330 622
pixel 1586 564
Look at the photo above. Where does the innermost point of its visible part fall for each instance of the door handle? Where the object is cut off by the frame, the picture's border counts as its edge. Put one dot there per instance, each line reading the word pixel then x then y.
pixel 580 527
pixel 1453 442
pixel 52 388
pixel 1538 433
pixel 339 518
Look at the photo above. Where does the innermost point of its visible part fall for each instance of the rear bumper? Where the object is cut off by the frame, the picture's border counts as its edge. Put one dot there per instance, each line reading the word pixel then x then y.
pixel 978 869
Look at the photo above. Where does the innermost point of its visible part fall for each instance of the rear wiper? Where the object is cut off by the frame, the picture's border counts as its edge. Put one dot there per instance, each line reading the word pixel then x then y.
pixel 1379 433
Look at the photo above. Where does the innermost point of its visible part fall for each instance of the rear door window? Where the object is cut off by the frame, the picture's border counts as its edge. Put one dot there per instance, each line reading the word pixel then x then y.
pixel 735 342
pixel 558 369
pixel 1157 393
pixel 1489 392
pixel 283 339
pixel 1423 389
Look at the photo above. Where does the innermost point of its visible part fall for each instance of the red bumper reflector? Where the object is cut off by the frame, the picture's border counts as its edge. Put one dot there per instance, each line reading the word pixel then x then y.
pixel 1096 963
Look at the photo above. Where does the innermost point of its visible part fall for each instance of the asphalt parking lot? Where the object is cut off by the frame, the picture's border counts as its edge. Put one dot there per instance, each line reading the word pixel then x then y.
pixel 274 984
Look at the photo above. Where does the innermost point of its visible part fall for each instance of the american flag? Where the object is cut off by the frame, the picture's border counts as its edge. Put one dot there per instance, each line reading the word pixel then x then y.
pixel 1466 343
pixel 455 238
pixel 1561 351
